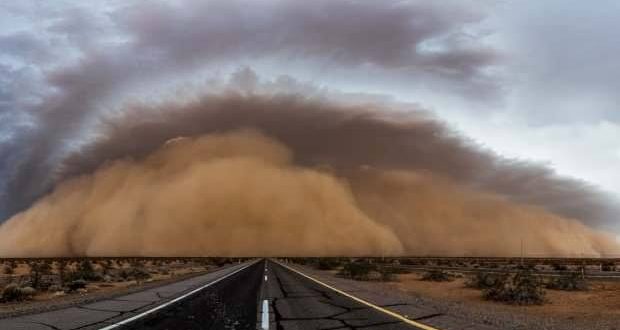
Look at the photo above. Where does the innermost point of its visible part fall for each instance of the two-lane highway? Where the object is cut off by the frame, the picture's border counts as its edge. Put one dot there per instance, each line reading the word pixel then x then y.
pixel 268 295
pixel 260 294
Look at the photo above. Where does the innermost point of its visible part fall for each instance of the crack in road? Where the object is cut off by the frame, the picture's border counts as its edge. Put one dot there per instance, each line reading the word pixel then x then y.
pixel 426 317
pixel 395 305
pixel 324 297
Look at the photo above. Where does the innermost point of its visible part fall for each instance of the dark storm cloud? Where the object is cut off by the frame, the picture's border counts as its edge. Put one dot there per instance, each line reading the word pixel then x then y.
pixel 388 34
pixel 121 45
pixel 343 138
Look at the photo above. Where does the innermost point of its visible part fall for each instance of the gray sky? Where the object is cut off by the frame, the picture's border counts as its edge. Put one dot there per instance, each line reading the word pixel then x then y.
pixel 534 80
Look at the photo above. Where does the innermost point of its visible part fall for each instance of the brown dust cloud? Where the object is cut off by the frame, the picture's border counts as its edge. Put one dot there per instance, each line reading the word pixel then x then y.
pixel 236 174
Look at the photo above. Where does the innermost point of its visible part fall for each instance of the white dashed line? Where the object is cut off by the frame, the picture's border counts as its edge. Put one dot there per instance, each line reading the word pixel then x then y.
pixel 265 315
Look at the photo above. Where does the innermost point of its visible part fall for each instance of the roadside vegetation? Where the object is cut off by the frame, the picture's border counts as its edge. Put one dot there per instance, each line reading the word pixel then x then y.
pixel 28 279
pixel 437 275
pixel 568 282
pixel 522 288
pixel 512 281
pixel 359 269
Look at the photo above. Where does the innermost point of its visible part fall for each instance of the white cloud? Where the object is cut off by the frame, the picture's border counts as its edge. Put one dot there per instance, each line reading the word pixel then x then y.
pixel 589 151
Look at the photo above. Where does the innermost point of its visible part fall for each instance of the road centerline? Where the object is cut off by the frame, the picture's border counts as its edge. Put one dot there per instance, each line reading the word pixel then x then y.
pixel 265 315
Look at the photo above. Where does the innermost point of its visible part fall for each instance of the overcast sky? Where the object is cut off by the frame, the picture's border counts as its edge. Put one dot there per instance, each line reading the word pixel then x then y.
pixel 528 79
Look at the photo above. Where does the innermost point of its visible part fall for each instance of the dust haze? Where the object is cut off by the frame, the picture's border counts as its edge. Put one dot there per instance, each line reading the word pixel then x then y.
pixel 245 174
pixel 232 194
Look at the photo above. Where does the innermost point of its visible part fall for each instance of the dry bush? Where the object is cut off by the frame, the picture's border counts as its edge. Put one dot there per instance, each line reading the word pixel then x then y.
pixel 388 274
pixel 522 288
pixel 328 263
pixel 37 270
pixel 608 266
pixel 358 271
pixel 569 282
pixel 483 280
pixel 55 288
pixel 437 275
pixel 559 267
pixel 14 292
pixel 86 272
pixel 9 269
pixel 132 273
pixel 76 285
pixel 62 269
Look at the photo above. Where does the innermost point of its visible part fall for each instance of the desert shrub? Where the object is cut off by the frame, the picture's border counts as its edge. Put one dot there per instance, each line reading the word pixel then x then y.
pixel 136 263
pixel 85 271
pixel 54 288
pixel 437 275
pixel 106 266
pixel 405 261
pixel 125 274
pixel 303 261
pixel 399 270
pixel 220 262
pixel 204 262
pixel 608 266
pixel 76 284
pixel 134 274
pixel 37 269
pixel 559 267
pixel 13 292
pixel 327 263
pixel 8 269
pixel 483 280
pixel 388 274
pixel 568 282
pixel 522 288
pixel 357 270
pixel 140 273
pixel 61 268
pixel 28 292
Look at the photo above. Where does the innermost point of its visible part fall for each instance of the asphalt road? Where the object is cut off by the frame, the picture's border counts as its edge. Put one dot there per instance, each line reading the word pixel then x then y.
pixel 109 312
pixel 267 295
pixel 228 304
pixel 255 295
pixel 296 302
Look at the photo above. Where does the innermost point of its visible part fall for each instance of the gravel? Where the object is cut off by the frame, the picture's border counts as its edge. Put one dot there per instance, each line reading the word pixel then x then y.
pixel 495 316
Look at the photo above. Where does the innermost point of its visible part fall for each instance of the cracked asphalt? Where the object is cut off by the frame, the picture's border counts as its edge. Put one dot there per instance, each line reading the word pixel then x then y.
pixel 228 304
pixel 215 307
pixel 263 293
pixel 297 303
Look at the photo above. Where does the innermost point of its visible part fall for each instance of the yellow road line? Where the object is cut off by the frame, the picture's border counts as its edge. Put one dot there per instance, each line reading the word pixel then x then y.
pixel 362 301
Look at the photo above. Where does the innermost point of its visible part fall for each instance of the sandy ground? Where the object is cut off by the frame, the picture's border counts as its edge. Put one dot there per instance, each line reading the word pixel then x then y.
pixel 601 302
